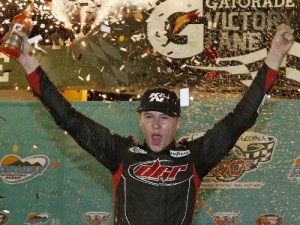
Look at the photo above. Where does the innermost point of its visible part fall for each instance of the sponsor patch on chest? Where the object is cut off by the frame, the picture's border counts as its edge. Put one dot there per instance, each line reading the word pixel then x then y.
pixel 157 172
pixel 178 154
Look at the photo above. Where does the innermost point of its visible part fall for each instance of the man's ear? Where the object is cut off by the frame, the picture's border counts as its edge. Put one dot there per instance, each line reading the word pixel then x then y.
pixel 179 122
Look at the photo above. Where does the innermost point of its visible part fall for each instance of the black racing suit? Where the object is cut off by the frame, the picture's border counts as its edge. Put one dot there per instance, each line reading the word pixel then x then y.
pixel 155 188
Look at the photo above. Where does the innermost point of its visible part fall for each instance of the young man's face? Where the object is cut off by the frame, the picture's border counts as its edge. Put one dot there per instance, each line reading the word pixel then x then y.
pixel 158 129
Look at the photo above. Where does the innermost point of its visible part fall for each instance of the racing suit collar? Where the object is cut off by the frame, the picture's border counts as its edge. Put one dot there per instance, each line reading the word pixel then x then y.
pixel 172 145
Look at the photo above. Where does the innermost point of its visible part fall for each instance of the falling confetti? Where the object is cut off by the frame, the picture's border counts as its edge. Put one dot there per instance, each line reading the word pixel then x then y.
pixel 211 53
pixel 15 148
pixel 121 38
pixel 55 165
pixel 201 203
pixel 138 16
pixel 210 76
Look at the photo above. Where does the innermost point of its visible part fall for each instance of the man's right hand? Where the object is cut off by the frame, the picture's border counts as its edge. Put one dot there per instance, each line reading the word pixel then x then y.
pixel 281 44
pixel 27 59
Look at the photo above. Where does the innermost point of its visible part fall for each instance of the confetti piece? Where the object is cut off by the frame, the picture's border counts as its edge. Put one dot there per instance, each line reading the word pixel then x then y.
pixel 127 14
pixel 138 16
pixel 211 53
pixel 54 165
pixel 122 67
pixel 168 59
pixel 35 39
pixel 88 77
pixel 133 38
pixel 121 38
pixel 123 49
pixel 196 62
pixel 84 4
pixel 201 203
pixel 144 55
pixel 210 76
pixel 15 148
pixel 148 51
pixel 209 210
pixel 105 28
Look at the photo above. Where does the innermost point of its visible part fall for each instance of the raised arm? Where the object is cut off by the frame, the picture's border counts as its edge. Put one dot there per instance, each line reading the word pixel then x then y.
pixel 91 136
pixel 218 141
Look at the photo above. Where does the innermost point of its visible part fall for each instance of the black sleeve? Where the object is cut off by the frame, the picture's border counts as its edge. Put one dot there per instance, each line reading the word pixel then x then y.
pixel 91 136
pixel 209 149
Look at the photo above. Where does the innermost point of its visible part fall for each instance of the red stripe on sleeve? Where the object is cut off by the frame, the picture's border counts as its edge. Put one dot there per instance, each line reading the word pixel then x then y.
pixel 270 79
pixel 116 180
pixel 34 81
pixel 197 186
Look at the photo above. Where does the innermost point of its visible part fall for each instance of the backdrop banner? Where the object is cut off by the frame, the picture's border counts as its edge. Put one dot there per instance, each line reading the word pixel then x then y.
pixel 46 178
pixel 209 44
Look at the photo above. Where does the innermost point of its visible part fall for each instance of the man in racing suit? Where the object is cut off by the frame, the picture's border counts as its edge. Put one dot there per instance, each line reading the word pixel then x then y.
pixel 157 183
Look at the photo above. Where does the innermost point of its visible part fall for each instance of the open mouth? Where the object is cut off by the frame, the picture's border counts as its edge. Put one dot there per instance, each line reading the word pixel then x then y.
pixel 156 139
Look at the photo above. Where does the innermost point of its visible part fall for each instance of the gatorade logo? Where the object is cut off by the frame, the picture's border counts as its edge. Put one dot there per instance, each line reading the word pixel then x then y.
pixel 158 37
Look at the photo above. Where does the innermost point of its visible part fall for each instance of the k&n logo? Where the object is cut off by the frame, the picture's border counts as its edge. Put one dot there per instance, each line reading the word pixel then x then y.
pixel 158 97
pixel 157 172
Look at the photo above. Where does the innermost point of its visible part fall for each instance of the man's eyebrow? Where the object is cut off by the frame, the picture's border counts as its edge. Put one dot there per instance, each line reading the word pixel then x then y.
pixel 148 113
